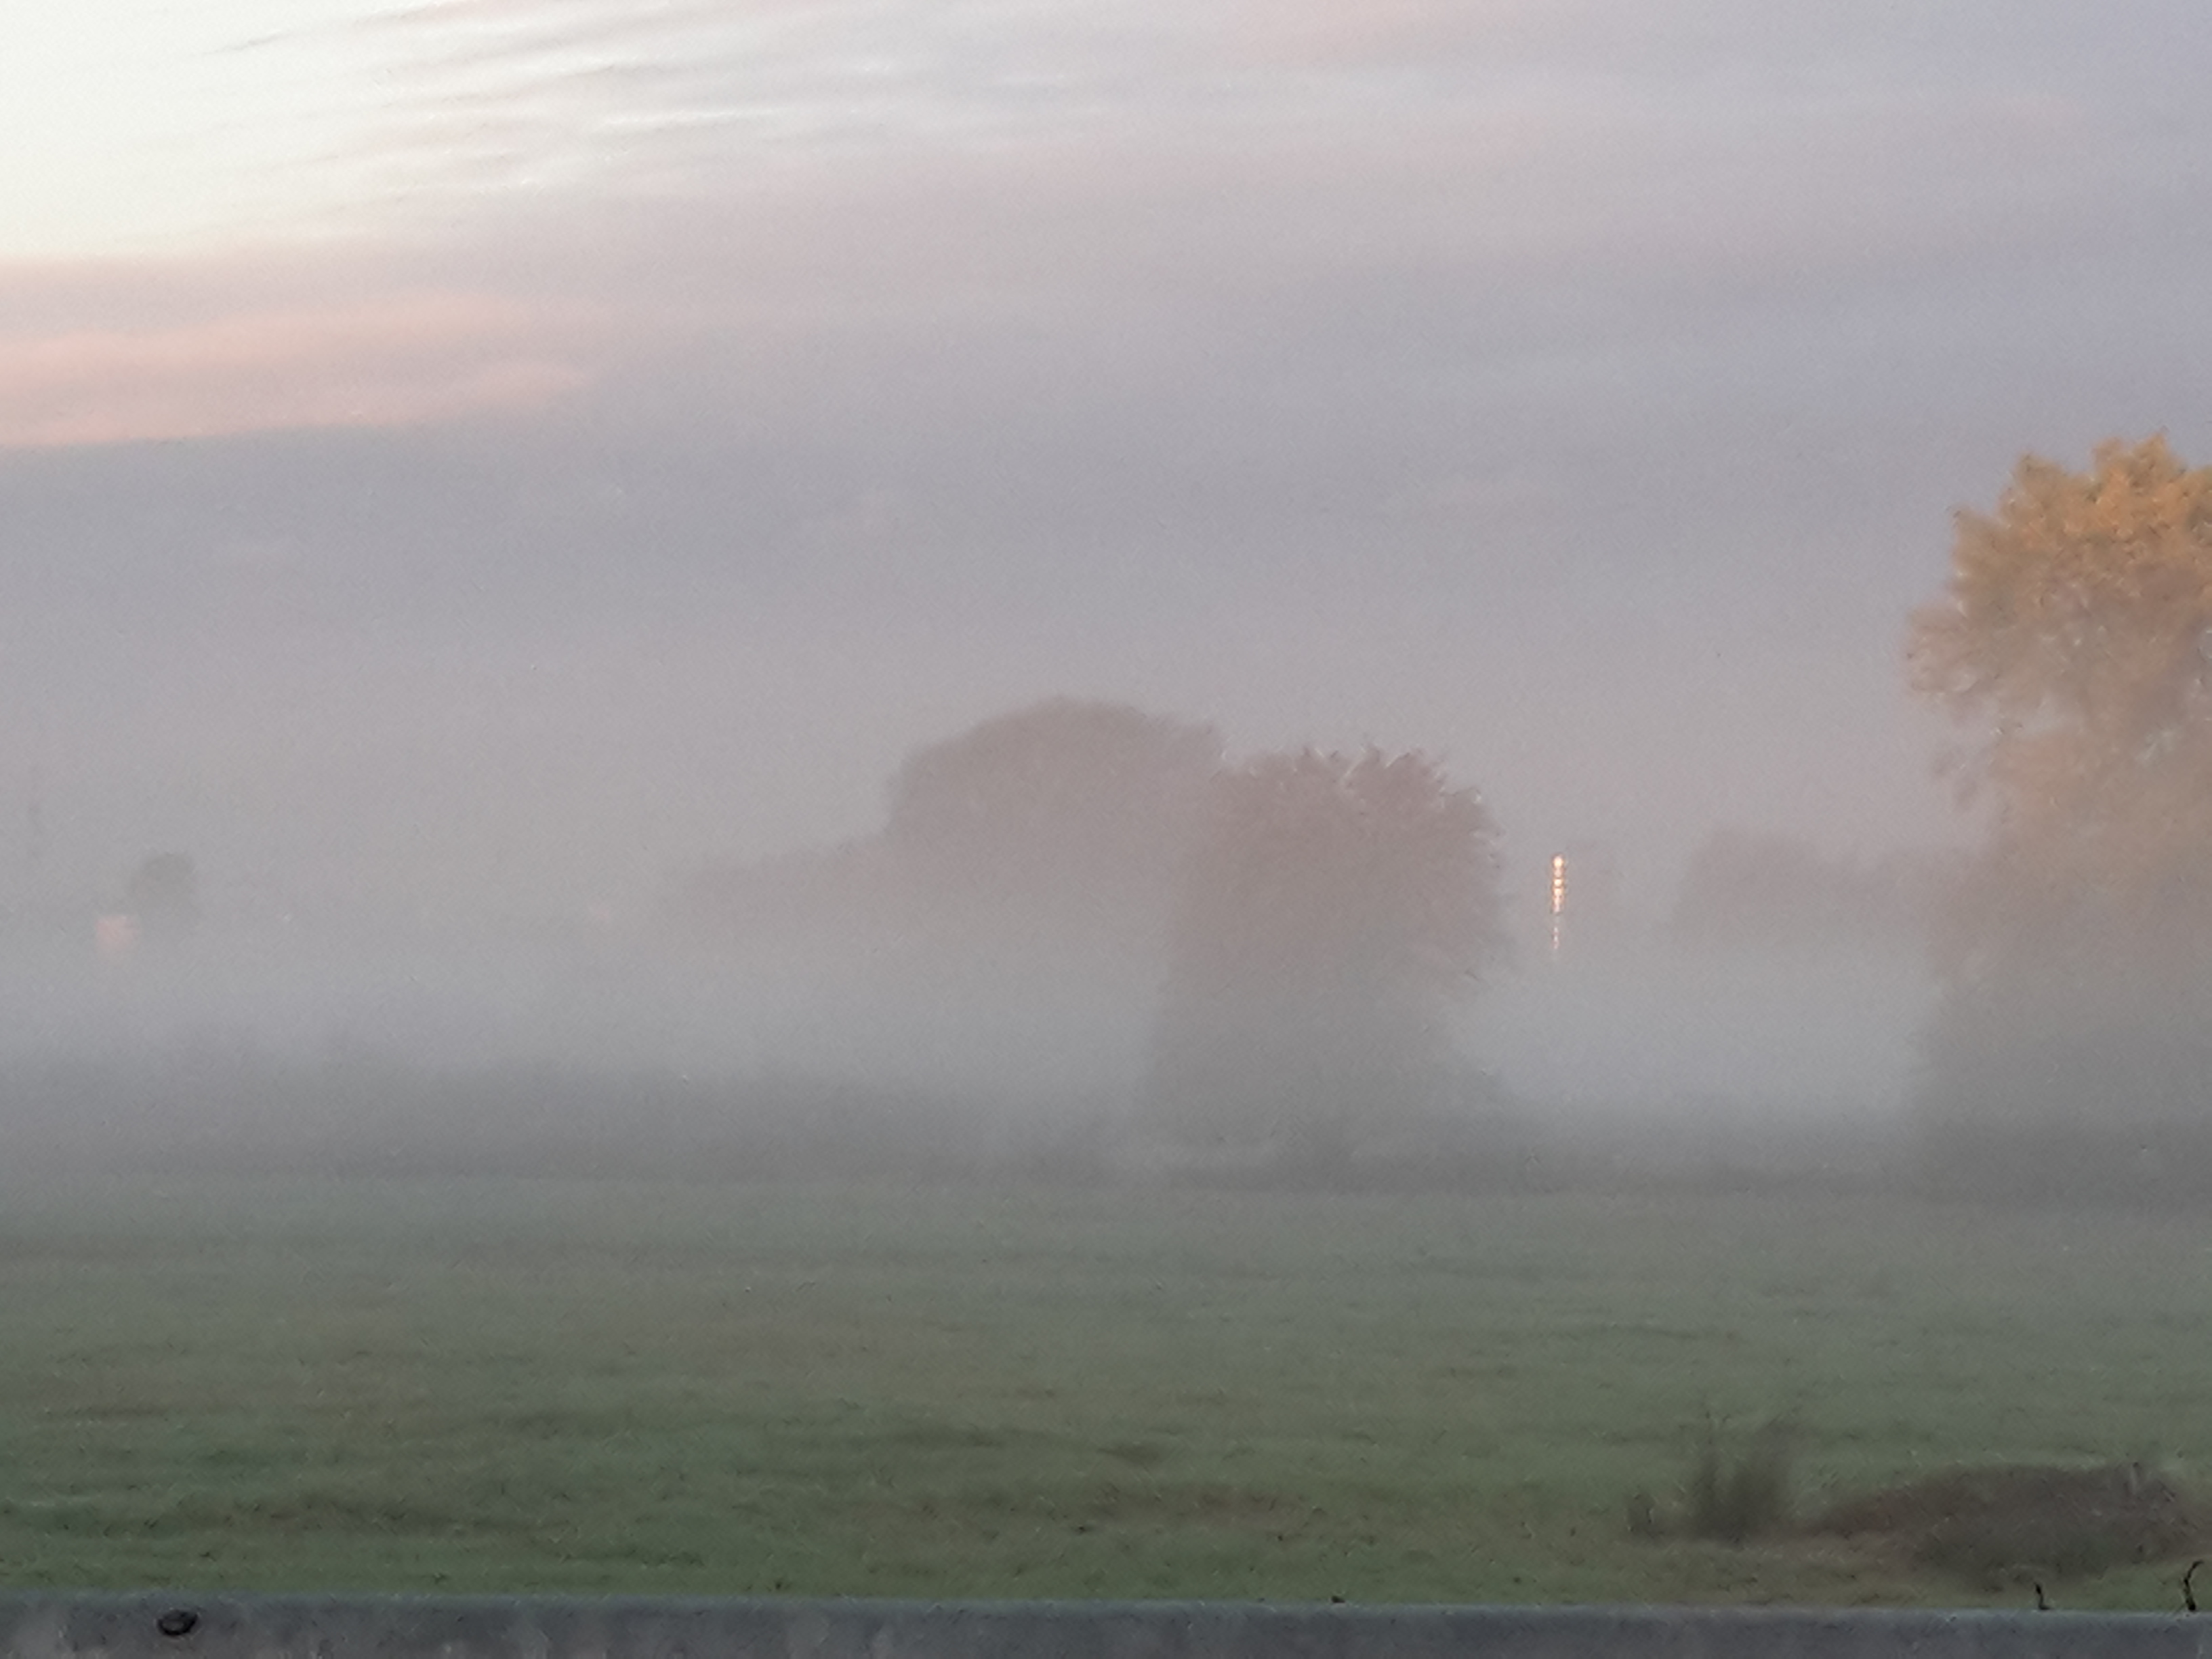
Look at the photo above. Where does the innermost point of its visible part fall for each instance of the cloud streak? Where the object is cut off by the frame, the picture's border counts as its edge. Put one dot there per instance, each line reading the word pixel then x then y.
pixel 399 360
pixel 785 166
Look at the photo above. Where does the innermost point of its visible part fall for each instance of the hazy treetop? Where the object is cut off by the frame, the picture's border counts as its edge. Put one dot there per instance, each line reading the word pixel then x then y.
pixel 2075 642
pixel 1342 874
pixel 2085 597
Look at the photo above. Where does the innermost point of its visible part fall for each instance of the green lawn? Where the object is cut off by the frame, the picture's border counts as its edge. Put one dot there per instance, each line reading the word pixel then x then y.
pixel 602 1386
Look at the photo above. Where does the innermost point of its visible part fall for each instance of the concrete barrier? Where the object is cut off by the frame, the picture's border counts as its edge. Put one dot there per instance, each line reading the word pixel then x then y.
pixel 176 1625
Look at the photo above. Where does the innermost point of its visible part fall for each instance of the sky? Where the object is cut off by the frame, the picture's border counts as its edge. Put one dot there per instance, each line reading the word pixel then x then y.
pixel 477 456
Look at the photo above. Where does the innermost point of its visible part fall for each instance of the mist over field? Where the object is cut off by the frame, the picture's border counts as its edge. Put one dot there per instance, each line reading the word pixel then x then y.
pixel 1392 800
pixel 503 507
pixel 980 985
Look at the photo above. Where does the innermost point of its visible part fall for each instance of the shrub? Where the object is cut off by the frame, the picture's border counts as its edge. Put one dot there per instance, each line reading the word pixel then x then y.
pixel 1994 1525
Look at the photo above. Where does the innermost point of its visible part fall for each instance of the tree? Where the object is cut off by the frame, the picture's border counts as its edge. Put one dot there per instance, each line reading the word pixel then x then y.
pixel 2077 634
pixel 1072 814
pixel 1062 825
pixel 1332 913
pixel 2074 642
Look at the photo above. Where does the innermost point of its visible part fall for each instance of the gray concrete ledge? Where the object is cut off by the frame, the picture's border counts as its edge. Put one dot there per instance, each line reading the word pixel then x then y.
pixel 181 1625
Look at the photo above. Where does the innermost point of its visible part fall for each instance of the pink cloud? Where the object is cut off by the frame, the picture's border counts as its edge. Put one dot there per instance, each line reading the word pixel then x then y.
pixel 404 359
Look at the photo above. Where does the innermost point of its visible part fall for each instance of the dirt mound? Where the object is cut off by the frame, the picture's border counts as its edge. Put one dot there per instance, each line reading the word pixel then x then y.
pixel 1993 1523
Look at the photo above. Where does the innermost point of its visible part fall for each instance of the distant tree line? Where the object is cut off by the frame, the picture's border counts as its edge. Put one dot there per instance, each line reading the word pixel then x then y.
pixel 1315 918
pixel 1752 890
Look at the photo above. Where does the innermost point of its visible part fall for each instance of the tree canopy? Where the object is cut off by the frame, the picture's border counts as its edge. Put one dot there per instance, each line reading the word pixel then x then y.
pixel 2075 642
pixel 1063 824
pixel 1060 808
pixel 1333 910
pixel 2074 645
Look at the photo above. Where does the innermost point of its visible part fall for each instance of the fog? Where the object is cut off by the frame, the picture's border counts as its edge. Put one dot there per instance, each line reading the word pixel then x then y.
pixel 514 523
pixel 980 984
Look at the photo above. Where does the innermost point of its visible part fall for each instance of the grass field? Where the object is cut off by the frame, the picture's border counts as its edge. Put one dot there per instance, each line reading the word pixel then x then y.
pixel 680 1387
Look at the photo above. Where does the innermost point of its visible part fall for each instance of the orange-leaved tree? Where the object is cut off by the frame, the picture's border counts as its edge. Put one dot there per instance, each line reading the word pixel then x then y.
pixel 2073 644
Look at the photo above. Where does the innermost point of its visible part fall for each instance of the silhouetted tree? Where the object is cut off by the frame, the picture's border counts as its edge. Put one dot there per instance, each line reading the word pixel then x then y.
pixel 1067 814
pixel 1336 910
pixel 1004 931
pixel 2074 642
pixel 1063 824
